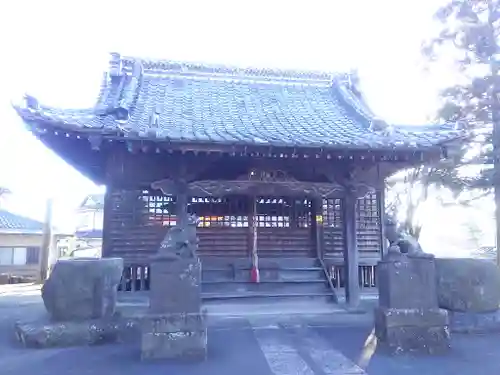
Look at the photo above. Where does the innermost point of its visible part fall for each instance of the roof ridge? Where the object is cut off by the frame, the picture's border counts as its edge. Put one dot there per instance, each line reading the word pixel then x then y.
pixel 178 66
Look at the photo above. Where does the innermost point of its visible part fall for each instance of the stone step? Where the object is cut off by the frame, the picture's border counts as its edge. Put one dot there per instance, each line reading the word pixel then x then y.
pixel 252 298
pixel 281 274
pixel 280 287
pixel 245 263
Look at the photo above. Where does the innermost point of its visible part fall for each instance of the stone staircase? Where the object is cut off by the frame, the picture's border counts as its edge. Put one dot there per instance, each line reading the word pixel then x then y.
pixel 280 279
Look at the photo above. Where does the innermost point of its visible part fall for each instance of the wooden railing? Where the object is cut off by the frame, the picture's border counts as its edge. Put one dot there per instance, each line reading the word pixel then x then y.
pixel 366 275
pixel 135 278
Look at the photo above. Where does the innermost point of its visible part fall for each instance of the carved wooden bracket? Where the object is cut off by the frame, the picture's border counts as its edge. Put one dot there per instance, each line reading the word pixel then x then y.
pixel 171 186
pixel 361 190
pixel 249 187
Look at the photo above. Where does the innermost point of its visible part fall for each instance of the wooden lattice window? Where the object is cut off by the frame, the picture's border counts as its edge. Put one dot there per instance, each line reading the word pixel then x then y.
pixel 332 213
pixel 231 211
pixel 273 212
pixel 333 226
pixel 302 213
pixel 283 212
pixel 160 209
pixel 368 224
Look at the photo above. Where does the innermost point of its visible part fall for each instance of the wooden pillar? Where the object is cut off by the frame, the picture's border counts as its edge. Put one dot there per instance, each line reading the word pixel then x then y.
pixel 317 225
pixel 252 228
pixel 106 250
pixel 181 203
pixel 381 210
pixel 351 254
pixel 46 238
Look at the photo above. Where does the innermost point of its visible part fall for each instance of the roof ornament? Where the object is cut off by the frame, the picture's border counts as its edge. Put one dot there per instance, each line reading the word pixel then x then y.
pixel 351 80
pixel 377 125
pixel 31 102
pixel 115 64
pixel 461 125
pixel 129 94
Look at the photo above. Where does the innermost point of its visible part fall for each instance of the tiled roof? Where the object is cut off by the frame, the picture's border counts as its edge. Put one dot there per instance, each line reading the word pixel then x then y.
pixel 13 222
pixel 183 102
pixel 96 233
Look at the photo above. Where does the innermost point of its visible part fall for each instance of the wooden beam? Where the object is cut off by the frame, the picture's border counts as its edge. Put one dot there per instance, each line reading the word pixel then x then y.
pixel 351 253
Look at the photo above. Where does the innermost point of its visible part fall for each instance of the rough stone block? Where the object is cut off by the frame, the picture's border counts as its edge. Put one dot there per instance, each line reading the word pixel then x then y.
pixel 397 277
pixel 413 330
pixel 471 322
pixel 468 285
pixel 174 336
pixel 175 286
pixel 82 288
pixel 4 278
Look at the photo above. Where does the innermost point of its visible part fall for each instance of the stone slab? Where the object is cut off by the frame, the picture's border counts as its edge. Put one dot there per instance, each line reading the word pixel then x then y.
pixel 413 330
pixel 471 322
pixel 46 334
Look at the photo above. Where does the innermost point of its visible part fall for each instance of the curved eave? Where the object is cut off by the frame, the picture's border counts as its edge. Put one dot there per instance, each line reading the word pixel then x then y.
pixel 220 146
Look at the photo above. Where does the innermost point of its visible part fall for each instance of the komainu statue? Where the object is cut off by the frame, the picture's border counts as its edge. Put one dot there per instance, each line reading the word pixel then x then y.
pixel 180 242
pixel 406 243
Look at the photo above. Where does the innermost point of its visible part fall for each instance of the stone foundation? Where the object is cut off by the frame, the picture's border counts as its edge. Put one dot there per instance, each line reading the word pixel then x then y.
pixel 45 334
pixel 412 330
pixel 174 336
pixel 471 322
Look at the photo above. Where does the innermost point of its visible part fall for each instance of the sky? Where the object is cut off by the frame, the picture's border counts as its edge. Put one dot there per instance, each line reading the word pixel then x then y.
pixel 57 50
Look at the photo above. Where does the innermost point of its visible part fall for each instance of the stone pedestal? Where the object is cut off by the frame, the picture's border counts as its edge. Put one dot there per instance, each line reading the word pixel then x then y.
pixel 175 286
pixel 175 327
pixel 174 336
pixel 408 317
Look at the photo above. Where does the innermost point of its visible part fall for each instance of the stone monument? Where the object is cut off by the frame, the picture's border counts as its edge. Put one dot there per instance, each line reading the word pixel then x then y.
pixel 408 317
pixel 175 325
pixel 470 290
pixel 80 297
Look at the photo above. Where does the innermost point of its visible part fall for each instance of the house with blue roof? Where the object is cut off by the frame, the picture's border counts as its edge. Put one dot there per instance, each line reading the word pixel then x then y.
pixel 21 240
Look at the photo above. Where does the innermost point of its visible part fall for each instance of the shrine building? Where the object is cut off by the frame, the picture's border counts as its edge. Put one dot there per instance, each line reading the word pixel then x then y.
pixel 285 170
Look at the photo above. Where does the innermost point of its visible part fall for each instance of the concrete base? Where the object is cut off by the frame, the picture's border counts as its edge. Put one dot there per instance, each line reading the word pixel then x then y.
pixel 47 334
pixel 412 330
pixel 469 322
pixel 174 336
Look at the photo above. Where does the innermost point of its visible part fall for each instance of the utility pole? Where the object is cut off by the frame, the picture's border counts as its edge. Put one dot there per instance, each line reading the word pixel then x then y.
pixel 46 242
